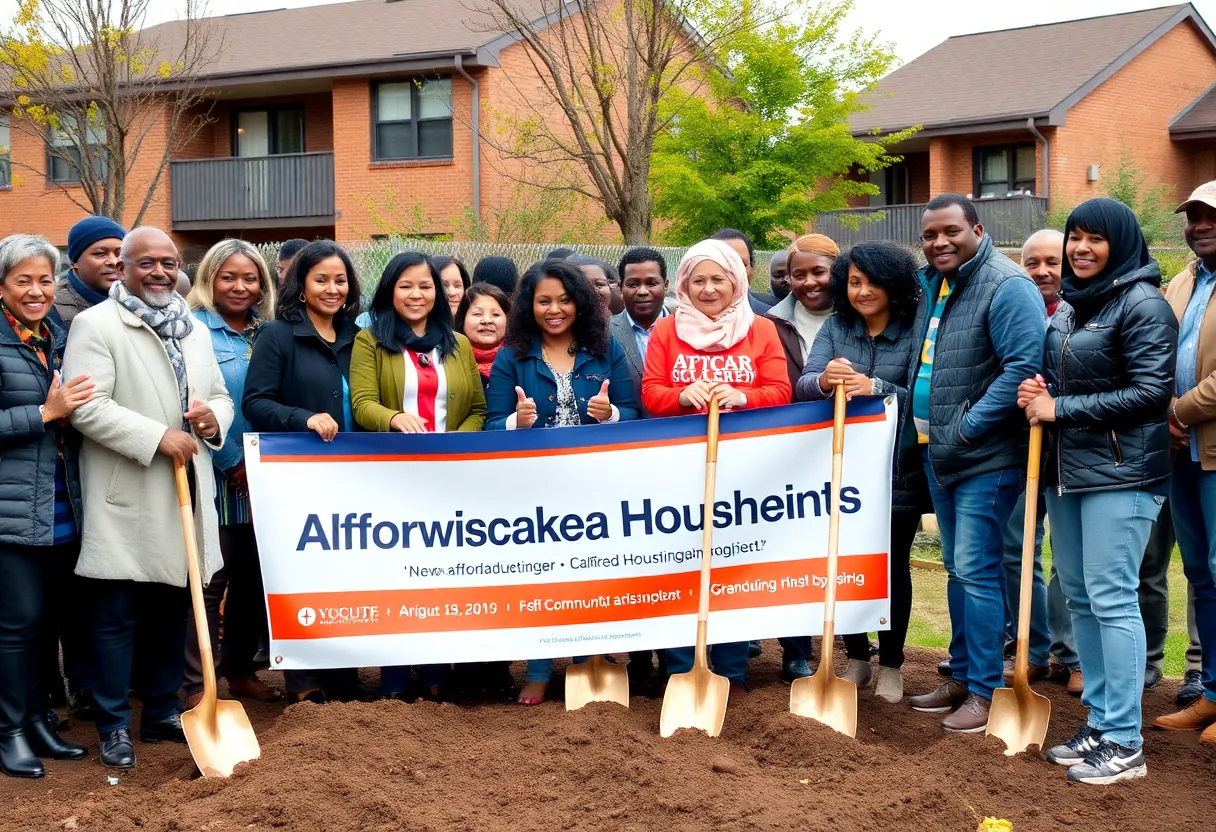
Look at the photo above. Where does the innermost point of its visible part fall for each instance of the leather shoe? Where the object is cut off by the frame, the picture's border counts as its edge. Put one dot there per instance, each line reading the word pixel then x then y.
pixel 165 730
pixel 1076 683
pixel 1152 676
pixel 1190 689
pixel 251 687
pixel 46 743
pixel 1199 714
pixel 80 704
pixel 1034 672
pixel 17 758
pixel 943 668
pixel 193 700
pixel 117 750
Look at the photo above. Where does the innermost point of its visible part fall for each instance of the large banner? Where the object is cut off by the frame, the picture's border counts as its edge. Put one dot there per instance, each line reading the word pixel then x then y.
pixel 388 549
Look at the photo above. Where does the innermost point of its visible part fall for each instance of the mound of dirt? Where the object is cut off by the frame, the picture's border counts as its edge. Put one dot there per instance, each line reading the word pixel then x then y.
pixel 499 766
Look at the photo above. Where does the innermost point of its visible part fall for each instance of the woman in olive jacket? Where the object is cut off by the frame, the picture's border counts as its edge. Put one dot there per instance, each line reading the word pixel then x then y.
pixel 871 344
pixel 1107 380
pixel 298 380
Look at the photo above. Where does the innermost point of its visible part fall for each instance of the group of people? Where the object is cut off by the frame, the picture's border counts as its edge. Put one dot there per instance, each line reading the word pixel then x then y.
pixel 1079 338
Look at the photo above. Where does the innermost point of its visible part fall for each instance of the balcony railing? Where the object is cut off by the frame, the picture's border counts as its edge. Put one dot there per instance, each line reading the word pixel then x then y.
pixel 267 191
pixel 1008 220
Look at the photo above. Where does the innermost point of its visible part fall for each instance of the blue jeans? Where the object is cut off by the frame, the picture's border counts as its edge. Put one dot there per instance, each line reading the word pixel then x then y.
pixel 396 679
pixel 971 515
pixel 1100 538
pixel 1011 577
pixel 540 670
pixel 1059 623
pixel 1193 501
pixel 729 660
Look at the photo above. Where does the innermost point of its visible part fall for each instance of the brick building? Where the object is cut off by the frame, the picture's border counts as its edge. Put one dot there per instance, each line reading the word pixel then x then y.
pixel 316 115
pixel 1020 116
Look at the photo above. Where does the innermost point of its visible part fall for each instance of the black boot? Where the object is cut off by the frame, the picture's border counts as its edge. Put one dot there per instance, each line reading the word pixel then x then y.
pixel 46 743
pixel 17 758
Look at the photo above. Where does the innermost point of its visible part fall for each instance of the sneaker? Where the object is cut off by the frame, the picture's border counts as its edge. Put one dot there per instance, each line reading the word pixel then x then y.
pixel 970 718
pixel 1152 676
pixel 794 669
pixel 1190 689
pixel 1109 763
pixel 889 684
pixel 859 673
pixel 945 697
pixel 1073 751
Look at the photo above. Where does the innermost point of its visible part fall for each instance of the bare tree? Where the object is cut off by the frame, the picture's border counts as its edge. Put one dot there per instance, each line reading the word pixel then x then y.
pixel 100 94
pixel 611 74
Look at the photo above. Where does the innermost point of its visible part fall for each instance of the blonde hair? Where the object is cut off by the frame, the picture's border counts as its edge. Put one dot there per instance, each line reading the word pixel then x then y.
pixel 201 295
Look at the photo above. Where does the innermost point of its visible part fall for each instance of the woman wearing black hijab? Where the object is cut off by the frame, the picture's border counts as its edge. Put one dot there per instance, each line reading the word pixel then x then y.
pixel 1107 379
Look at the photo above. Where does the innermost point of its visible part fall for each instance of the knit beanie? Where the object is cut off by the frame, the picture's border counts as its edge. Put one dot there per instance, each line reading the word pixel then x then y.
pixel 497 271
pixel 88 231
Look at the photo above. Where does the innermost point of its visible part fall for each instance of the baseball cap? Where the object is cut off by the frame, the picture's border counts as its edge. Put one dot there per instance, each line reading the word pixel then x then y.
pixel 1205 193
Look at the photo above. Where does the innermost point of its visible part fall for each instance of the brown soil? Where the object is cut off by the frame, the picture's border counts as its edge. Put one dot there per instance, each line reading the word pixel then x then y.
pixel 499 766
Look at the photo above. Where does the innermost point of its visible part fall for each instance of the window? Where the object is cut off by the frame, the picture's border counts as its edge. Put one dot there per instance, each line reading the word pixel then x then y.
pixel 268 132
pixel 6 171
pixel 413 120
pixel 1004 171
pixel 67 141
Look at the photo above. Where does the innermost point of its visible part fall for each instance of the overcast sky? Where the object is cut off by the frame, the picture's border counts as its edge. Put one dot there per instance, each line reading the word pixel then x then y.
pixel 914 26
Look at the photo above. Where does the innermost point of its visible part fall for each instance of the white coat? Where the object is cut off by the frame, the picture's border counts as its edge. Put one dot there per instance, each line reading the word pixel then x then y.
pixel 132 524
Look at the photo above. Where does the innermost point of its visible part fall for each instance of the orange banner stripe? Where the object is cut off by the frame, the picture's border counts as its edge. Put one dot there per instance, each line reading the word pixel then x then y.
pixel 314 615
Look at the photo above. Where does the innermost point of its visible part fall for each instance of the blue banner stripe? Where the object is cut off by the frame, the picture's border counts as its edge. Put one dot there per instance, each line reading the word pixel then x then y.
pixel 586 436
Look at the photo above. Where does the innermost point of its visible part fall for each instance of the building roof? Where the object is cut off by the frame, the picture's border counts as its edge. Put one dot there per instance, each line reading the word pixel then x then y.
pixel 1198 119
pixel 994 80
pixel 321 39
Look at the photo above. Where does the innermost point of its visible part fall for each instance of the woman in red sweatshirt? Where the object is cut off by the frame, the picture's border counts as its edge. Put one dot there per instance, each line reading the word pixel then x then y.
pixel 713 347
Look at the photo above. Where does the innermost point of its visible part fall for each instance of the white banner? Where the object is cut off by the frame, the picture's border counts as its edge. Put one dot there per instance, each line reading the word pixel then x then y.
pixel 391 549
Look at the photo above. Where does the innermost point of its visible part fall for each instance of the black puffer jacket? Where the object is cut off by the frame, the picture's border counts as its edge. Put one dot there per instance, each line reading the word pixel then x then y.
pixel 891 359
pixel 1112 379
pixel 28 452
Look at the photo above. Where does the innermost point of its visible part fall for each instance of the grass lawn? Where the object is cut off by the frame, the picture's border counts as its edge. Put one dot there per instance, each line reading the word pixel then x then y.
pixel 930 624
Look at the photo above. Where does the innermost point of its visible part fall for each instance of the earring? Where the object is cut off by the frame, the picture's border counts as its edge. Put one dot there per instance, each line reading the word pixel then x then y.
pixel 301 297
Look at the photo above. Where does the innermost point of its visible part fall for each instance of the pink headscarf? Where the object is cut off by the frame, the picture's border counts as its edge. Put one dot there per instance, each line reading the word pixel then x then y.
pixel 693 326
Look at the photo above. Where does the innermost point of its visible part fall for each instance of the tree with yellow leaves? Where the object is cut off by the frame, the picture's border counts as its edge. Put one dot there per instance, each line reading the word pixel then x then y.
pixel 99 96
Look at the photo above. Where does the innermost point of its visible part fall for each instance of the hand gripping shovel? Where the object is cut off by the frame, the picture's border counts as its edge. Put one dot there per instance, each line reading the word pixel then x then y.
pixel 596 680
pixel 217 730
pixel 1018 715
pixel 697 699
pixel 823 697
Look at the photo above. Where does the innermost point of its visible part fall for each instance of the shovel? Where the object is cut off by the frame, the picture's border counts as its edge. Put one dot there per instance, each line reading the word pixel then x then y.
pixel 1018 715
pixel 596 680
pixel 823 697
pixel 217 730
pixel 697 699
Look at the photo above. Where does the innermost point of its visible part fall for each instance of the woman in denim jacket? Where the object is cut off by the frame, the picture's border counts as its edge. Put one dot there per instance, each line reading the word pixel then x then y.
pixel 233 293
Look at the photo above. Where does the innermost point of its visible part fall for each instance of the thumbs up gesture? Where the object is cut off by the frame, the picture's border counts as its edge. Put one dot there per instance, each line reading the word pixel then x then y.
pixel 525 410
pixel 599 407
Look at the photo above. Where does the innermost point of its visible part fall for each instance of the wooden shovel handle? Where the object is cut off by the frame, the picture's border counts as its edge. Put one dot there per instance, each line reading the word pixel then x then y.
pixel 196 584
pixel 829 594
pixel 1021 662
pixel 700 657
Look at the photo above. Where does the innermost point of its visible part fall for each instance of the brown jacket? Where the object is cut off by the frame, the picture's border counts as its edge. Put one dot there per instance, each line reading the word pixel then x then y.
pixel 1198 407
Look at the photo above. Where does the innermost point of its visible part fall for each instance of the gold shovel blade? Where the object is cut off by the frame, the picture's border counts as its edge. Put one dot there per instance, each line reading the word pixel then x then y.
pixel 1018 717
pixel 696 699
pixel 596 680
pixel 220 738
pixel 828 699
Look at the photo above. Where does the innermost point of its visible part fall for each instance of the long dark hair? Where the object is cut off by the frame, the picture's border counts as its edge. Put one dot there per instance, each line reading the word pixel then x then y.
pixel 590 328
pixel 889 266
pixel 442 261
pixel 291 303
pixel 387 325
pixel 482 290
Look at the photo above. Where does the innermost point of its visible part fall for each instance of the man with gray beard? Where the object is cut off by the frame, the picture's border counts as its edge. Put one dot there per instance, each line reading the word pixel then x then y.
pixel 159 399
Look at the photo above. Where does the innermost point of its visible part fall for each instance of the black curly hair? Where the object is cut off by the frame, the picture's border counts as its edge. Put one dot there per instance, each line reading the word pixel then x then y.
pixel 889 266
pixel 291 307
pixel 590 327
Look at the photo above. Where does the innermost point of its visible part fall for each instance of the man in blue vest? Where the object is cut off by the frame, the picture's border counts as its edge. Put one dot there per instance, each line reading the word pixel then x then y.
pixel 984 337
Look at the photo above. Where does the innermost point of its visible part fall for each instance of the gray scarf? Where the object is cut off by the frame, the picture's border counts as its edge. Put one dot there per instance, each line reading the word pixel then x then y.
pixel 170 324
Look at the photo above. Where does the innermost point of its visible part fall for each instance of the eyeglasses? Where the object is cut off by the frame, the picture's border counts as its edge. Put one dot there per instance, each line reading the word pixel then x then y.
pixel 148 264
